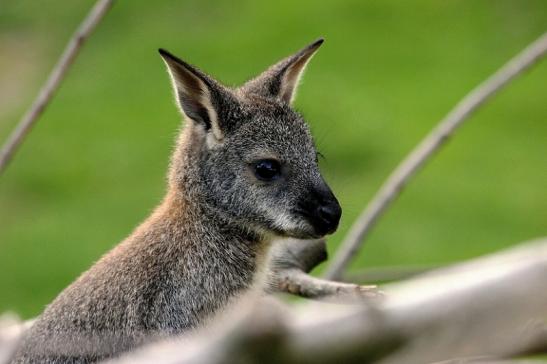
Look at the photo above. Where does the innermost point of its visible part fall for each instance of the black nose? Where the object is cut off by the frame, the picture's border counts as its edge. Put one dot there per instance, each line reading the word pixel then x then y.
pixel 329 217
pixel 321 209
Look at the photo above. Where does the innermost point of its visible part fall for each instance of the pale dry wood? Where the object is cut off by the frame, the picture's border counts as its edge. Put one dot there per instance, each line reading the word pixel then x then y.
pixel 483 360
pixel 387 273
pixel 290 262
pixel 495 306
pixel 298 283
pixel 422 153
pixel 53 82
pixel 492 307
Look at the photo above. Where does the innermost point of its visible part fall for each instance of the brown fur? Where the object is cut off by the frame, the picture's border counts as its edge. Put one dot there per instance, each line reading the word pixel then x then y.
pixel 206 243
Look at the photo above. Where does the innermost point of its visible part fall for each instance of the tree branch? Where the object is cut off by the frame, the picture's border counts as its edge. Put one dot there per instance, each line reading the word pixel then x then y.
pixel 476 309
pixel 393 186
pixel 489 308
pixel 387 273
pixel 296 282
pixel 290 262
pixel 53 82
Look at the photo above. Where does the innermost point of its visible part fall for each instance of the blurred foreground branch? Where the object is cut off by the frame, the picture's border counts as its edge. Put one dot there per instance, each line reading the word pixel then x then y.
pixel 488 308
pixel 387 273
pixel 53 82
pixel 492 307
pixel 426 149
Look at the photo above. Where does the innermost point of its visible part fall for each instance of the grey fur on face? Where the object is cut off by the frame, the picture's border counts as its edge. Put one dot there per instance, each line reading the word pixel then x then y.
pixel 252 123
pixel 244 171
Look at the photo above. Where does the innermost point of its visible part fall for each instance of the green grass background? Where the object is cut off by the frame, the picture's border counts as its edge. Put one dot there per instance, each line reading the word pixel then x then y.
pixel 94 166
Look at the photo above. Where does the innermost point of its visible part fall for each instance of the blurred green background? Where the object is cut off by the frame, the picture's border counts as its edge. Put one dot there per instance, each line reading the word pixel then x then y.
pixel 94 166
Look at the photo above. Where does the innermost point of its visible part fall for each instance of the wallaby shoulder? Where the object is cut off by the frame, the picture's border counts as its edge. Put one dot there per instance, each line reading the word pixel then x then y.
pixel 167 277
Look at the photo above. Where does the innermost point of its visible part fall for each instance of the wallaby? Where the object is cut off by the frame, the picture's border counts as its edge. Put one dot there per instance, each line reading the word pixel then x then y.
pixel 244 172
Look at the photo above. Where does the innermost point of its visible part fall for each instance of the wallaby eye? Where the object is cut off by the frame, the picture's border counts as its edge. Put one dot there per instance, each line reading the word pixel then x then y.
pixel 267 169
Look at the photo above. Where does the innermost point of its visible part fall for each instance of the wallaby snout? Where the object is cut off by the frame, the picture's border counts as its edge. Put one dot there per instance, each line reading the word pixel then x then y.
pixel 321 209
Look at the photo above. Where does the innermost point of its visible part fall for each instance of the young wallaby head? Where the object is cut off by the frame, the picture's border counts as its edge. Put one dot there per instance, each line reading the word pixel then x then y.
pixel 246 154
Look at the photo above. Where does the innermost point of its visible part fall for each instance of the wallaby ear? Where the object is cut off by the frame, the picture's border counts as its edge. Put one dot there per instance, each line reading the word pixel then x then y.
pixel 281 80
pixel 196 93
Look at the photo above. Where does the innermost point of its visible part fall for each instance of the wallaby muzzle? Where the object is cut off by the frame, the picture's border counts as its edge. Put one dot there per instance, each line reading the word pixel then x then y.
pixel 321 209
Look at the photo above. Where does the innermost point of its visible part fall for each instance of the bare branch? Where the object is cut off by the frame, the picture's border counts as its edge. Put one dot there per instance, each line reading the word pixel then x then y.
pixel 53 82
pixel 393 186
pixel 495 306
pixel 479 311
pixel 486 309
pixel 387 273
pixel 292 259
pixel 486 360
pixel 296 282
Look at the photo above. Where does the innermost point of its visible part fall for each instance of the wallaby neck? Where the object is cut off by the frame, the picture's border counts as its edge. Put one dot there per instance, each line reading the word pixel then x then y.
pixel 202 261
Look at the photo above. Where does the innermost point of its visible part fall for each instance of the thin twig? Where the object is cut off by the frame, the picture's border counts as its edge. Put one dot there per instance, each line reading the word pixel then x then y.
pixel 53 82
pixel 296 282
pixel 427 148
pixel 290 262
